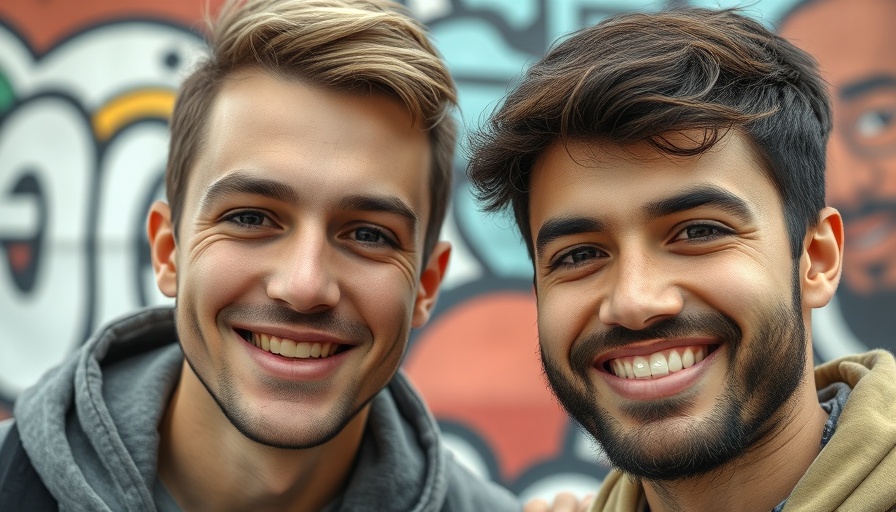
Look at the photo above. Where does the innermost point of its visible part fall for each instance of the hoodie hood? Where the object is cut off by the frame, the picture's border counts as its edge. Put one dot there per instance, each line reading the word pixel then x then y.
pixel 90 426
pixel 856 470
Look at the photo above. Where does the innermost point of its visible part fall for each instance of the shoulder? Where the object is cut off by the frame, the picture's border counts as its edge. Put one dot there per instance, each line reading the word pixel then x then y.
pixel 467 491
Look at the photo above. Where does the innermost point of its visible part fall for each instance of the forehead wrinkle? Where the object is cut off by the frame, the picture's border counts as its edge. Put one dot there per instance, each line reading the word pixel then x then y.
pixel 706 195
pixel 243 183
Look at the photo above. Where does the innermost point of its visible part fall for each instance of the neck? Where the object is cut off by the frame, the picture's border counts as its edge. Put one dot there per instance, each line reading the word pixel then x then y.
pixel 763 476
pixel 207 464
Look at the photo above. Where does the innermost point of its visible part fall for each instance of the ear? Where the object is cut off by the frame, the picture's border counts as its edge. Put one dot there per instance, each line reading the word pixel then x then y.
pixel 822 259
pixel 430 279
pixel 162 247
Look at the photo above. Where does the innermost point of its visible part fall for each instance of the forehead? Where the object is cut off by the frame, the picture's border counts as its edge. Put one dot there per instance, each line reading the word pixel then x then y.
pixel 604 180
pixel 324 144
pixel 849 39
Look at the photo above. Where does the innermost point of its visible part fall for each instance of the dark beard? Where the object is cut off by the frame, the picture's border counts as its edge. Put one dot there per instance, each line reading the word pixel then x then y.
pixel 770 370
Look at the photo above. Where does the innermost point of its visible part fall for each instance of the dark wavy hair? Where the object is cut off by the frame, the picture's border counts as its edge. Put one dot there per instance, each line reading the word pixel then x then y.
pixel 640 77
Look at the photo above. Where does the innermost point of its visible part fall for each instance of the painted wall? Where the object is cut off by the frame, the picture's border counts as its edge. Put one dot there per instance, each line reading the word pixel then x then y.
pixel 85 90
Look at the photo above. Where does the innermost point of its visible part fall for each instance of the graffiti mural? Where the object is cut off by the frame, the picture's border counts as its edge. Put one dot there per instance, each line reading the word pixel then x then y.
pixel 85 92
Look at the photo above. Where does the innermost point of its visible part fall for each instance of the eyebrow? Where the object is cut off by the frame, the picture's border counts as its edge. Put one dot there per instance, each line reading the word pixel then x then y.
pixel 850 91
pixel 243 183
pixel 564 226
pixel 700 196
pixel 381 203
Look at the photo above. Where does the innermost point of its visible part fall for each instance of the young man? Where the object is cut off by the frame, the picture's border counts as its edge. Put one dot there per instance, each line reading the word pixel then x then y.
pixel 308 177
pixel 667 174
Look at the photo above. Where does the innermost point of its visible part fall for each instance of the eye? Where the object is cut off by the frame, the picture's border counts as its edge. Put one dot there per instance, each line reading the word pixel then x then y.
pixel 370 235
pixel 874 123
pixel 577 256
pixel 249 219
pixel 702 232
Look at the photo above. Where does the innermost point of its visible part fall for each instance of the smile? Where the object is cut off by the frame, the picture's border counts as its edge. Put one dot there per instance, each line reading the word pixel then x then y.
pixel 288 348
pixel 658 364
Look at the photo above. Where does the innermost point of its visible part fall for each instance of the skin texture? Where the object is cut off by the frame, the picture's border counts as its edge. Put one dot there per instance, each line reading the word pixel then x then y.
pixel 853 43
pixel 619 272
pixel 303 218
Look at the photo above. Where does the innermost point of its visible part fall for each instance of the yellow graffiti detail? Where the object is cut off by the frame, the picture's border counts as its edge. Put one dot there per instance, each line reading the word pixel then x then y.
pixel 152 103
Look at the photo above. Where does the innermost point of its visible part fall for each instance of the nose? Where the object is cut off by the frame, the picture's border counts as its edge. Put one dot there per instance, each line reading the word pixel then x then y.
pixel 304 276
pixel 640 292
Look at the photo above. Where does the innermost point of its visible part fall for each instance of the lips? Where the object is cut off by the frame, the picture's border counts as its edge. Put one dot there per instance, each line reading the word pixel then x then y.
pixel 657 364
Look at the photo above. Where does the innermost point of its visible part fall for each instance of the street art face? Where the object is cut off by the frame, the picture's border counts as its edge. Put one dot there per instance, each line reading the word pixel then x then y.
pixel 854 44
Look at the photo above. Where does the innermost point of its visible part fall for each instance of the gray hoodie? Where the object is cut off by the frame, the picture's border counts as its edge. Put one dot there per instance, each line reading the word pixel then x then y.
pixel 90 430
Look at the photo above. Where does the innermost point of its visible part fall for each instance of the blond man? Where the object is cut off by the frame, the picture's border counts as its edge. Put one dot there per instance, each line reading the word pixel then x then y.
pixel 308 176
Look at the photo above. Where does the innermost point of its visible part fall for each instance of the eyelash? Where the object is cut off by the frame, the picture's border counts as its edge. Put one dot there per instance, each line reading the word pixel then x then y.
pixel 719 231
pixel 558 262
pixel 380 233
pixel 232 218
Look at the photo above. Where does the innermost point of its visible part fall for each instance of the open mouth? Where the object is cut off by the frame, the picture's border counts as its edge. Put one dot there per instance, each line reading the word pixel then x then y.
pixel 659 364
pixel 290 348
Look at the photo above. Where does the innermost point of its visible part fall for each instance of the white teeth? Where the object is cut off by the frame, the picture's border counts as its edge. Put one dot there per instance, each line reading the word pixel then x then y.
pixel 658 365
pixel 674 361
pixel 287 348
pixel 303 350
pixel 687 359
pixel 641 367
pixel 294 349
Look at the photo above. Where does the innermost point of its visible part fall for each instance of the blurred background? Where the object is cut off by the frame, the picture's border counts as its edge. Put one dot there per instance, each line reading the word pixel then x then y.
pixel 86 87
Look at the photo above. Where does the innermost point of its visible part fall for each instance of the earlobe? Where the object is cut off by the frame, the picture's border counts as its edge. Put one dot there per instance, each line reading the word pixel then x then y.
pixel 430 280
pixel 823 259
pixel 163 247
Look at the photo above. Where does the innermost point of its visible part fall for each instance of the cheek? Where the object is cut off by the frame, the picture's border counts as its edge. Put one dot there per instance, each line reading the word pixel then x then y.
pixel 741 289
pixel 383 296
pixel 564 314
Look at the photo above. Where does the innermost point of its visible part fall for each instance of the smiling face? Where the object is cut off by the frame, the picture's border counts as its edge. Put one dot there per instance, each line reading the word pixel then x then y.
pixel 297 267
pixel 853 42
pixel 670 316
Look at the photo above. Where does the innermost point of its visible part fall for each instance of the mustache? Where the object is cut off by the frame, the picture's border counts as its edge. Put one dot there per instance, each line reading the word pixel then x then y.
pixel 713 324
pixel 327 320
pixel 869 207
